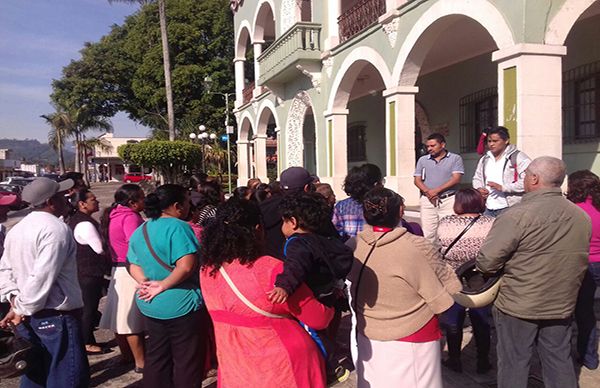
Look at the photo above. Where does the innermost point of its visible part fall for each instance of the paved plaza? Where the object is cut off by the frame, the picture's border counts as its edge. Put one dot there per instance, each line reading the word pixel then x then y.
pixel 107 372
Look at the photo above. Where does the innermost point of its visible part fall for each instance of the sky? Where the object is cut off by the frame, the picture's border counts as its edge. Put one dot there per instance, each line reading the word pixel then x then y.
pixel 38 38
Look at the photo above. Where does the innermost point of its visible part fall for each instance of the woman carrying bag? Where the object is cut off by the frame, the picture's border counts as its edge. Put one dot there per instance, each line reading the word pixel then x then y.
pixel 399 286
pixel 461 237
pixel 162 257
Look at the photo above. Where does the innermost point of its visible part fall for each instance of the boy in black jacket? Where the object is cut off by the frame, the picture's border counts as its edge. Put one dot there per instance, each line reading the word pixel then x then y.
pixel 314 255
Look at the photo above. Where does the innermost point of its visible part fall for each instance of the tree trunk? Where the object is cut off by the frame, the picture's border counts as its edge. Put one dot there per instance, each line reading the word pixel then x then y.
pixel 77 154
pixel 167 67
pixel 59 149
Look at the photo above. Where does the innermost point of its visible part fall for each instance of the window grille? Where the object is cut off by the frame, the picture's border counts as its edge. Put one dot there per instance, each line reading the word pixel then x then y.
pixel 581 104
pixel 477 111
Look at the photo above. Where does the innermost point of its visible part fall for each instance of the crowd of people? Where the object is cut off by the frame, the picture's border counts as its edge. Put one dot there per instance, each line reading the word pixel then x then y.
pixel 256 285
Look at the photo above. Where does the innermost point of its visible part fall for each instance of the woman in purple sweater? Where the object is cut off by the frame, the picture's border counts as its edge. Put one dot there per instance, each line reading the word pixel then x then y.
pixel 121 314
pixel 584 191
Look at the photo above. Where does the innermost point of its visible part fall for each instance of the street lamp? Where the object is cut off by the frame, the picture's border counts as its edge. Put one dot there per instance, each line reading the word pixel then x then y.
pixel 208 82
pixel 202 136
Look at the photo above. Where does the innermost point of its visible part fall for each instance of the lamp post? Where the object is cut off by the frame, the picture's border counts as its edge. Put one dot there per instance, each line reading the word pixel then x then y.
pixel 228 130
pixel 202 136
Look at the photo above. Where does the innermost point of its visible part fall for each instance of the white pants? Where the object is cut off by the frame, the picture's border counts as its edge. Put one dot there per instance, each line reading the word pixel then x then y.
pixel 383 364
pixel 431 216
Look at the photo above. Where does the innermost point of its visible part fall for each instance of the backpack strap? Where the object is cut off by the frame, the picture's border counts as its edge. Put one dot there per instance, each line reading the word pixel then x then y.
pixel 513 163
pixel 152 252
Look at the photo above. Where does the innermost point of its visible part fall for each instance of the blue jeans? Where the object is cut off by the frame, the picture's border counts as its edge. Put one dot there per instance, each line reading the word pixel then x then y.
pixel 587 333
pixel 59 358
pixel 452 321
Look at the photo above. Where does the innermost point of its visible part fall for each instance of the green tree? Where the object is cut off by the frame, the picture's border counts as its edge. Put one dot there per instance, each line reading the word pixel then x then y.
pixel 58 121
pixel 162 15
pixel 124 70
pixel 171 159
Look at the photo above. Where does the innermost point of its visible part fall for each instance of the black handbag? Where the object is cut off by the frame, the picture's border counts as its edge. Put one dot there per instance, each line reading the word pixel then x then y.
pixel 14 353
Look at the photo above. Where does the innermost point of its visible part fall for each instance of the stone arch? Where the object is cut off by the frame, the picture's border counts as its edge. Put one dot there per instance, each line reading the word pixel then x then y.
pixel 561 24
pixel 350 68
pixel 243 34
pixel 293 130
pixel 261 19
pixel 434 21
pixel 262 119
pixel 246 127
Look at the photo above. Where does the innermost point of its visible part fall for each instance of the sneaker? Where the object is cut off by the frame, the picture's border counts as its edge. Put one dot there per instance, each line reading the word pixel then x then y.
pixel 340 375
pixel 453 363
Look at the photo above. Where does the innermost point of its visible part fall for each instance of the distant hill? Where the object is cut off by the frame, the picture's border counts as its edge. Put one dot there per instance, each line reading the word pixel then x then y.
pixel 32 151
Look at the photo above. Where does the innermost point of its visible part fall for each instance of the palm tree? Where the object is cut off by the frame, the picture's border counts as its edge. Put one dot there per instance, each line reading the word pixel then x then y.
pixel 82 121
pixel 88 145
pixel 56 136
pixel 166 60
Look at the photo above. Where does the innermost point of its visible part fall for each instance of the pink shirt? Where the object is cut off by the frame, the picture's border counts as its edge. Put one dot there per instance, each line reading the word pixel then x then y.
pixel 123 222
pixel 594 214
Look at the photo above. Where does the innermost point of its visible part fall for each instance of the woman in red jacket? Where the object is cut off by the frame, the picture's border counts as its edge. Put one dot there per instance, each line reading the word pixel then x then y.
pixel 258 343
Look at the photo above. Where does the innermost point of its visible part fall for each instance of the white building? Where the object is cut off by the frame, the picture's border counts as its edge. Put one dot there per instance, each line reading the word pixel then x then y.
pixel 107 163
pixel 343 82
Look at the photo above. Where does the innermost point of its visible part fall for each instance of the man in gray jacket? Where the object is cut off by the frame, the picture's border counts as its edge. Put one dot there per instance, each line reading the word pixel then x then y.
pixel 500 171
pixel 542 245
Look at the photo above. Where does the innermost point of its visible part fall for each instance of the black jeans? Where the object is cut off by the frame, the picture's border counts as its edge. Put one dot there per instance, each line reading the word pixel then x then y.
pixel 176 350
pixel 452 321
pixel 516 339
pixel 587 333
pixel 91 292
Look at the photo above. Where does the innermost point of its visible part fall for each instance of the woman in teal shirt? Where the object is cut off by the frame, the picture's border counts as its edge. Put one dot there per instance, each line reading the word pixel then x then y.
pixel 162 258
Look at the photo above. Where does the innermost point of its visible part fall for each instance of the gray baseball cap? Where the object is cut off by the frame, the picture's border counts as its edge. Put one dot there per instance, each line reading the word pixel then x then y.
pixel 42 189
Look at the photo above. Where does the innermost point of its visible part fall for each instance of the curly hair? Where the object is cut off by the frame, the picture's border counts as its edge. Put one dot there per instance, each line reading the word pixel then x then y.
pixel 311 211
pixel 583 184
pixel 231 235
pixel 362 179
pixel 381 207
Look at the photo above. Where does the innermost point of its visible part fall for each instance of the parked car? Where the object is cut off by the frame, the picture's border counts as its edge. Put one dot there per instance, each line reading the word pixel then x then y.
pixel 17 180
pixel 135 177
pixel 8 189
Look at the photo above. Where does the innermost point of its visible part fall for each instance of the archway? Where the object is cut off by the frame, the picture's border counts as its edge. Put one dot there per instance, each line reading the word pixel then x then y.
pixel 265 143
pixel 245 152
pixel 580 82
pixel 244 65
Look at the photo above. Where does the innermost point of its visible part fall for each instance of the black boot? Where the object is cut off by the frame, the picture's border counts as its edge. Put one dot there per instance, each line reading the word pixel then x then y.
pixel 454 340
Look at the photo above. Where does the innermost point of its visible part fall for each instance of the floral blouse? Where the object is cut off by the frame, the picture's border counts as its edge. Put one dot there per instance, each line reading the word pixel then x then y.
pixel 468 246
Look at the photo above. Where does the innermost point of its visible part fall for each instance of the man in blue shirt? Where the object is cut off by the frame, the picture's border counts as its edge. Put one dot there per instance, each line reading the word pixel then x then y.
pixel 437 176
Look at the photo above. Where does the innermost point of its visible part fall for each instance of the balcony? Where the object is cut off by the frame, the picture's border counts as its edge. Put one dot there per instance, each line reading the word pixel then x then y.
pixel 300 45
pixel 247 92
pixel 359 17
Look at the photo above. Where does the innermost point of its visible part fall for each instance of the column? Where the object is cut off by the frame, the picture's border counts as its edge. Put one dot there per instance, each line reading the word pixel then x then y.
pixel 257 52
pixel 336 131
pixel 243 162
pixel 238 64
pixel 530 97
pixel 260 153
pixel 334 9
pixel 400 138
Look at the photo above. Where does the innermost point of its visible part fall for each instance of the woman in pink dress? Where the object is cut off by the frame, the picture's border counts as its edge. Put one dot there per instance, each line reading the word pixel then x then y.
pixel 258 343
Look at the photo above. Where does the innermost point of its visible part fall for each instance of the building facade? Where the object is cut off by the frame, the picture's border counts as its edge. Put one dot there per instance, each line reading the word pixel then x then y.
pixel 107 166
pixel 344 82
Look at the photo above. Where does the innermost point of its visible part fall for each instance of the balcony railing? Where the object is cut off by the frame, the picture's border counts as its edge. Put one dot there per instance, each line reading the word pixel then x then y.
pixel 360 16
pixel 247 92
pixel 302 42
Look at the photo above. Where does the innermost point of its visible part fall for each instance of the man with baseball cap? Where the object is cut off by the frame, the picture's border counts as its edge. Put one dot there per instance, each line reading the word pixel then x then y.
pixel 38 276
pixel 292 181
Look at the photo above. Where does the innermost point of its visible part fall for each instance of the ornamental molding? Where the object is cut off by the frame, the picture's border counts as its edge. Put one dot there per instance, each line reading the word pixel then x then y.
pixel 391 30
pixel 235 4
pixel 328 66
pixel 294 129
pixel 289 12
pixel 314 77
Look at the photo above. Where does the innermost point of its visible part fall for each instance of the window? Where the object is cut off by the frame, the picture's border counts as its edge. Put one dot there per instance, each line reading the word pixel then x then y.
pixel 581 104
pixel 477 111
pixel 357 142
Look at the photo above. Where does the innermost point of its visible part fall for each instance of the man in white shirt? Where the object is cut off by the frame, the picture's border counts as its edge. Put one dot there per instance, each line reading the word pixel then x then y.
pixel 38 276
pixel 500 172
